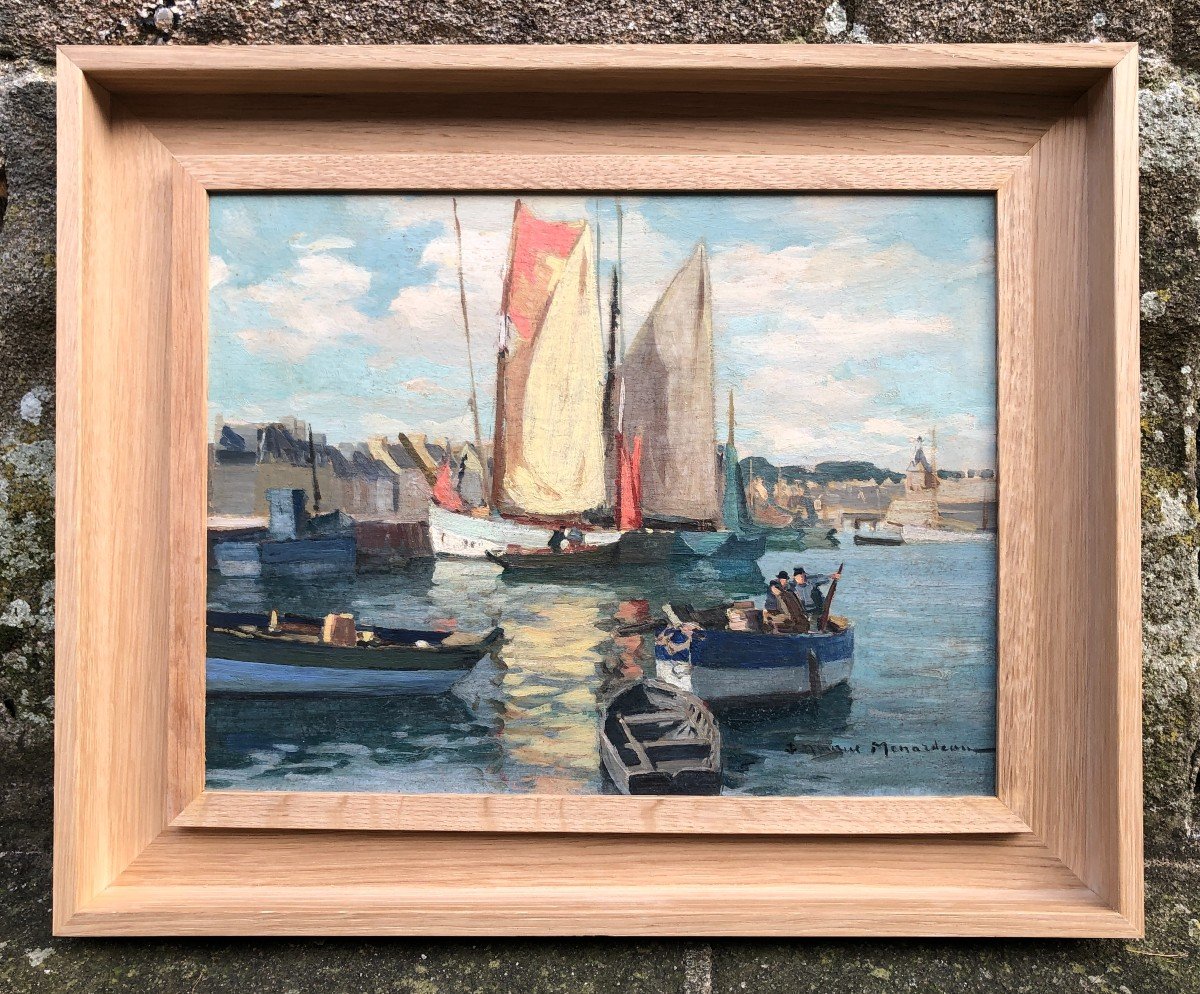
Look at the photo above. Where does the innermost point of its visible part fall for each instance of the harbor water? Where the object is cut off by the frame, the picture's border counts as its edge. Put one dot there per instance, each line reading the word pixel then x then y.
pixel 917 718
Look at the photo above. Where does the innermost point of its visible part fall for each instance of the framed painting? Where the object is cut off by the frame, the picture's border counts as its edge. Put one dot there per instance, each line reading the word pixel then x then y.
pixel 583 488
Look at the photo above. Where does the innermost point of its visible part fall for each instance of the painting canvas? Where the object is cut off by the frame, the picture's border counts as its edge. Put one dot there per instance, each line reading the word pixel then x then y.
pixel 606 493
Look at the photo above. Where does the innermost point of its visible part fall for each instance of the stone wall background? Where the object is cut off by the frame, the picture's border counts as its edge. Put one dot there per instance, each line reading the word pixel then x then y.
pixel 1168 959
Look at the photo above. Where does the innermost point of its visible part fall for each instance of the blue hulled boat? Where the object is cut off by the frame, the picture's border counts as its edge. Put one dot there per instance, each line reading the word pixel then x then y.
pixel 719 665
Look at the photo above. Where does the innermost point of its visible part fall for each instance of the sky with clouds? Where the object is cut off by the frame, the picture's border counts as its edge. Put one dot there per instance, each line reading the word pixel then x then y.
pixel 847 325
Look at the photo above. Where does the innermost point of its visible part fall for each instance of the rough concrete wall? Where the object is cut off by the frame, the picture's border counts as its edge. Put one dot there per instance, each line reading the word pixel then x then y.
pixel 1170 161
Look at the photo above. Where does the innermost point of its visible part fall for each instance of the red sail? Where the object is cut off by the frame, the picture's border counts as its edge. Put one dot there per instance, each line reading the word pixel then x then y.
pixel 629 484
pixel 444 493
pixel 635 474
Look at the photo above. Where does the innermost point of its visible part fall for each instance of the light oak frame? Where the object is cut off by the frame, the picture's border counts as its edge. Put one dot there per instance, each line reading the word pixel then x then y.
pixel 144 134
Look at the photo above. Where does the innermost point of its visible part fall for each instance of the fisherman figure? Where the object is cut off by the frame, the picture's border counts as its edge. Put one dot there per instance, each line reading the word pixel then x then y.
pixel 774 615
pixel 807 588
pixel 781 581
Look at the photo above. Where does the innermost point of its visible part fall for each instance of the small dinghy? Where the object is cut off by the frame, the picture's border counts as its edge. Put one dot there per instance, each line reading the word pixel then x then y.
pixel 657 739
pixel 880 536
pixel 577 559
pixel 289 654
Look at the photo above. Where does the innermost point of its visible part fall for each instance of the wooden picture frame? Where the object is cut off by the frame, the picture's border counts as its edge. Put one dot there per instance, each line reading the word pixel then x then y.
pixel 145 133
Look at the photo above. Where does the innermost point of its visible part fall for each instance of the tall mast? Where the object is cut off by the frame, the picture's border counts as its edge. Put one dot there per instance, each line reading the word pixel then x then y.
pixel 609 414
pixel 620 282
pixel 473 403
pixel 498 426
pixel 498 467
pixel 613 389
pixel 596 263
pixel 937 513
pixel 312 458
pixel 730 441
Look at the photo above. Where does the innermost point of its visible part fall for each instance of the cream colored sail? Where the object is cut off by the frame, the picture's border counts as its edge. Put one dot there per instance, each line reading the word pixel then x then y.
pixel 558 467
pixel 669 382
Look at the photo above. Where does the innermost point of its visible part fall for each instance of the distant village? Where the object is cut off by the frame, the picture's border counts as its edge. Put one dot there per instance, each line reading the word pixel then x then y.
pixel 382 488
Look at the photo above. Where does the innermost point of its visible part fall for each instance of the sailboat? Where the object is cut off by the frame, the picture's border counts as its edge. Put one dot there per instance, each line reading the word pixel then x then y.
pixel 548 446
pixel 743 540
pixel 668 376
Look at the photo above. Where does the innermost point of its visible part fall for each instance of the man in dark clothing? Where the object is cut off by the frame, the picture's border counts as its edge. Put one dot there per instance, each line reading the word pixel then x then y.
pixel 807 588
pixel 782 612
pixel 779 583
pixel 797 617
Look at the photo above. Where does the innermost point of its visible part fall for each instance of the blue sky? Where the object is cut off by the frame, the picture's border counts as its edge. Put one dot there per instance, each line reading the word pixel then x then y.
pixel 846 324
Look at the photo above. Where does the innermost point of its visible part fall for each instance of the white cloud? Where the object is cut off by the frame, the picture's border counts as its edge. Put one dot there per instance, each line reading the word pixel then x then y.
pixel 403 213
pixel 424 387
pixel 218 271
pixel 313 305
pixel 328 243
pixel 824 337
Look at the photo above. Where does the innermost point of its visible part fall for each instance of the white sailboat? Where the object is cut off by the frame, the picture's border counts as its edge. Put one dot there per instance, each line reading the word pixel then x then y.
pixel 548 447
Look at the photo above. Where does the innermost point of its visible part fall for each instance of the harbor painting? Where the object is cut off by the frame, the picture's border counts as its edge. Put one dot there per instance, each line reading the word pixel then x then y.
pixel 673 494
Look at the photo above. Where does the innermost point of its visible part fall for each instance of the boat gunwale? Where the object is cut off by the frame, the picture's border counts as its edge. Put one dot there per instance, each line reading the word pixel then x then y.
pixel 691 709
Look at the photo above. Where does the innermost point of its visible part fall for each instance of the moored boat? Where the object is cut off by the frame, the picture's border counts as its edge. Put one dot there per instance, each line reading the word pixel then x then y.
pixel 547 470
pixel 294 543
pixel 742 547
pixel 296 654
pixel 720 665
pixel 545 560
pixel 643 546
pixel 958 532
pixel 879 538
pixel 816 537
pixel 658 739
pixel 466 536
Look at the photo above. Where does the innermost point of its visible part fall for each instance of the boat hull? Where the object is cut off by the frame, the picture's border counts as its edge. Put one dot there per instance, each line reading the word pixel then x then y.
pixel 309 556
pixel 719 545
pixel 237 676
pixel 238 559
pixel 462 536
pixel 293 558
pixel 432 657
pixel 725 666
pixel 742 549
pixel 646 546
pixel 544 562
pixel 878 540
pixel 675 749
pixel 919 534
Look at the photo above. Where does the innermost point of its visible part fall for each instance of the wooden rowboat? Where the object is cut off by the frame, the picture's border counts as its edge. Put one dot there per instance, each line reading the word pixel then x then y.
pixel 657 739
pixel 583 557
pixel 878 538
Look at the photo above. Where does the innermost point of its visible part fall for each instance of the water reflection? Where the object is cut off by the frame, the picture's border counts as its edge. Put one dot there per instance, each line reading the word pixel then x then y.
pixel 526 718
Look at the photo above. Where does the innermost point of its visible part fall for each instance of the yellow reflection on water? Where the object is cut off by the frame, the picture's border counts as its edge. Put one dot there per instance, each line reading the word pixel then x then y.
pixel 552 657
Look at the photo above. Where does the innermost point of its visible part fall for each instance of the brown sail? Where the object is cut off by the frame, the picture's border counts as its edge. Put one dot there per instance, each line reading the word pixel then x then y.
pixel 669 400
